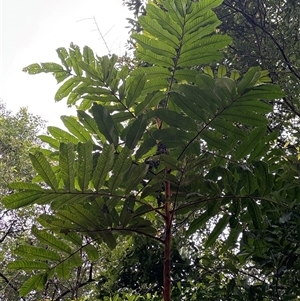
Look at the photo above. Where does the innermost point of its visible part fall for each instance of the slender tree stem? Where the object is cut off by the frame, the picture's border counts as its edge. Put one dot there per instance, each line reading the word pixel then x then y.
pixel 167 246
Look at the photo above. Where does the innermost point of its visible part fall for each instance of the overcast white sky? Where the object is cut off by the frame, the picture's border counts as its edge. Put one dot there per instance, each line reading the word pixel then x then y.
pixel 32 30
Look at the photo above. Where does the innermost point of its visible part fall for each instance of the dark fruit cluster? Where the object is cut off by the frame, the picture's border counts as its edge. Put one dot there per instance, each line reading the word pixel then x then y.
pixel 161 149
pixel 152 163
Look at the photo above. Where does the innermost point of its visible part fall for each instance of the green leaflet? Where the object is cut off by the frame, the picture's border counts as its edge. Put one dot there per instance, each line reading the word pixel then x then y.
pixel 171 137
pixel 191 109
pixel 247 182
pixel 250 142
pixel 66 164
pixel 85 164
pixel 92 252
pixel 33 69
pixel 44 169
pixel 150 101
pixel 51 240
pixel 64 57
pixel 88 56
pixel 155 29
pixel 135 132
pixel 121 166
pixel 61 135
pixel 64 268
pixel 66 88
pixel 135 176
pixel 145 147
pixel 76 128
pixel 265 92
pixel 31 252
pixel 27 265
pixel 59 200
pixel 105 123
pixel 249 80
pixel 135 89
pixel 25 186
pixel 51 141
pixel 127 212
pixel 109 239
pixel 174 119
pixel 218 229
pixel 36 282
pixel 104 165
pixel 197 223
pixel 265 180
pixel 90 124
pixel 76 57
pixel 255 214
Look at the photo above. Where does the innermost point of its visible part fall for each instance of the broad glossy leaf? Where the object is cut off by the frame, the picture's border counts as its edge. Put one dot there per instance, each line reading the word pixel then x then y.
pixel 174 119
pixel 43 167
pixel 104 165
pixel 135 89
pixel 51 141
pixel 136 175
pixel 255 213
pixel 248 181
pixel 109 239
pixel 90 124
pixel 62 135
pixel 135 132
pixel 85 164
pixel 250 142
pixel 66 164
pixel 265 92
pixel 218 229
pixel 76 128
pixel 30 252
pixel 149 102
pixel 121 166
pixel 64 269
pixel 21 199
pixel 35 282
pixel 92 253
pixel 25 186
pixel 66 88
pixel 27 265
pixel 50 240
pixel 197 223
pixel 105 123
pixel 88 55
pixel 145 147
pixel 64 57
pixel 33 69
pixel 249 79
